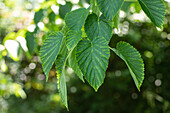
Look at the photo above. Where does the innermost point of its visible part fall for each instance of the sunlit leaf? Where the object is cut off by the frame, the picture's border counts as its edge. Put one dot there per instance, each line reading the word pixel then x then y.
pixel 9 36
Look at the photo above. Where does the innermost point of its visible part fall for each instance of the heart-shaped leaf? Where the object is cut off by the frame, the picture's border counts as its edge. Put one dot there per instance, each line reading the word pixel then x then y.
pixel 95 27
pixel 92 57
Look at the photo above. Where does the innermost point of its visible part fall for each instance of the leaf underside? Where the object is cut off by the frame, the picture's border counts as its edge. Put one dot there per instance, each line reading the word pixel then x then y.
pixel 61 79
pixel 92 57
pixel 74 65
pixel 109 7
pixel 155 10
pixel 60 70
pixel 49 51
pixel 133 60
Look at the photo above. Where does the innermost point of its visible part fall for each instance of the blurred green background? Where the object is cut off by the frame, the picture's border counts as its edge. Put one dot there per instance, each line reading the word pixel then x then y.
pixel 24 24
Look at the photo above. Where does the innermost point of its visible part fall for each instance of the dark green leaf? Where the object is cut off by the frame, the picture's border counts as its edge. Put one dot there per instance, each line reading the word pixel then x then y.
pixel 64 9
pixel 72 38
pixel 75 19
pixel 50 50
pixel 133 60
pixel 97 27
pixel 30 42
pixel 92 57
pixel 109 7
pixel 38 16
pixel 52 17
pixel 155 10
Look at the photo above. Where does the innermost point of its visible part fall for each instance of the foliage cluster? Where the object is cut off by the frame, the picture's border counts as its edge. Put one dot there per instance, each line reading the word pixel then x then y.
pixel 83 43
pixel 21 69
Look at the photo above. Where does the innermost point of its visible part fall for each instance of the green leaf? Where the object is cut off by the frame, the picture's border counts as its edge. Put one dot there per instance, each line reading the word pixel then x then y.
pixel 72 38
pixel 30 42
pixel 95 27
pixel 155 10
pixel 116 20
pixel 64 9
pixel 95 8
pixel 126 5
pixel 74 65
pixel 60 70
pixel 133 60
pixel 75 19
pixel 50 50
pixel 92 57
pixel 62 88
pixel 38 16
pixel 10 36
pixel 109 7
pixel 51 17
pixel 63 50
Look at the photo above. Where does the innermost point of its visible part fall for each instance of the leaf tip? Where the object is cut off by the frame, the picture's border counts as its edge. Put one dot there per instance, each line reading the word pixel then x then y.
pixel 96 88
pixel 67 107
pixel 46 78
pixel 83 81
pixel 138 88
